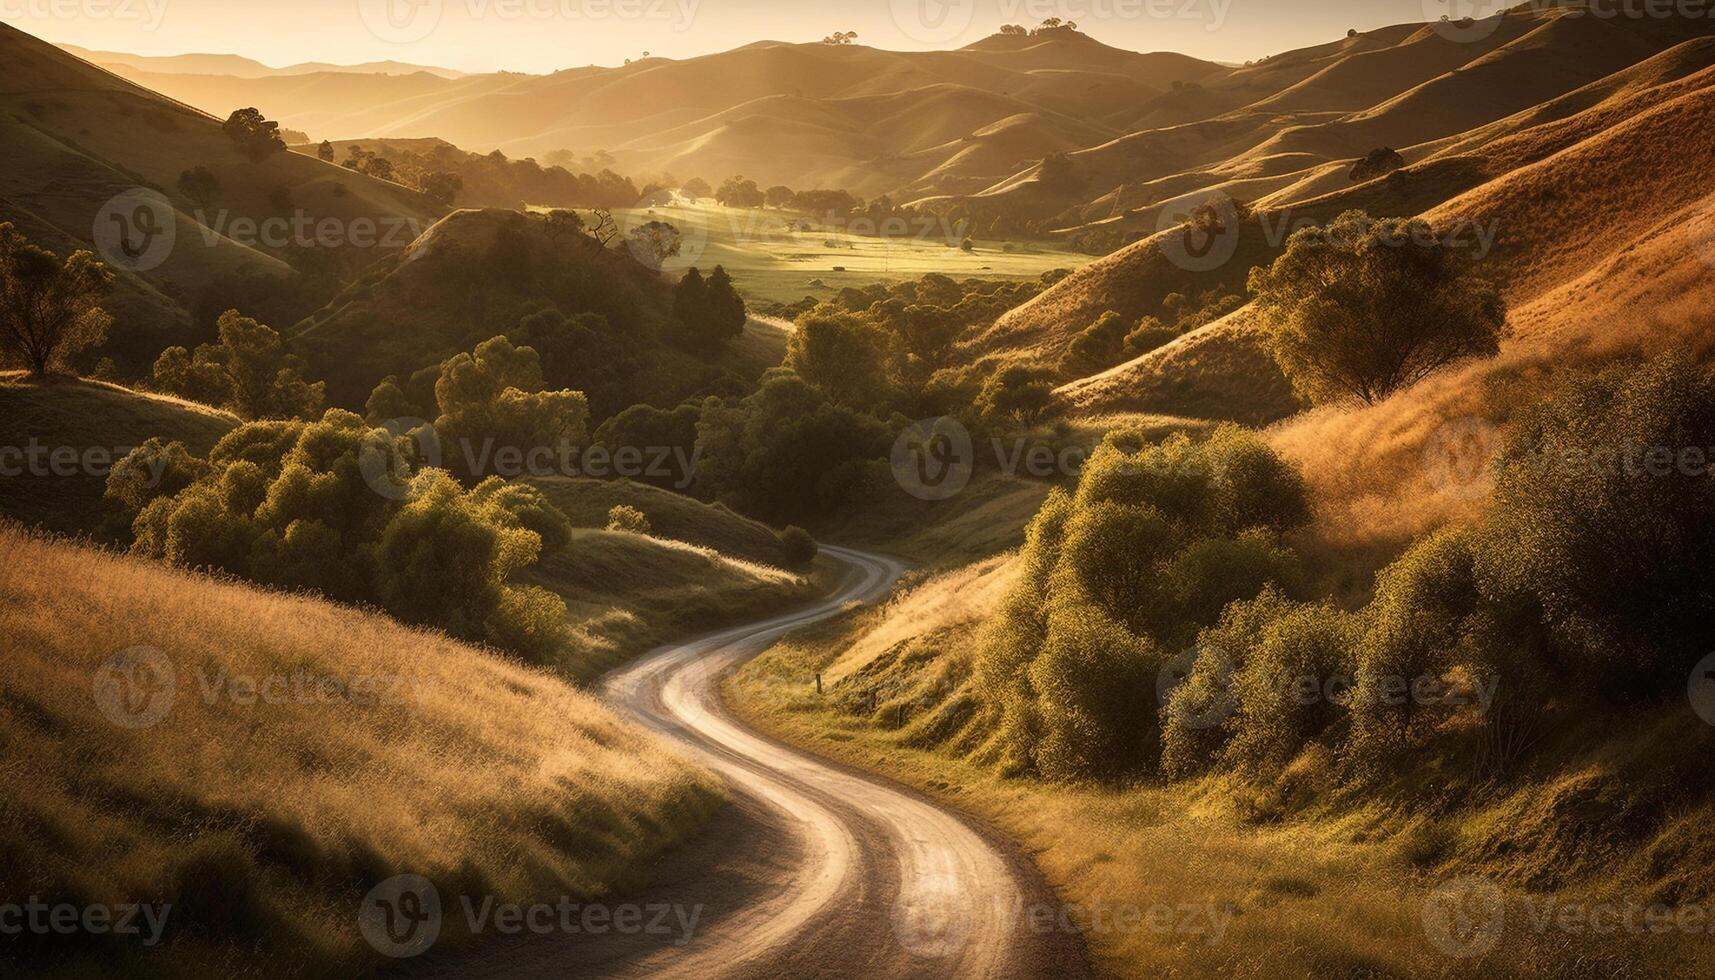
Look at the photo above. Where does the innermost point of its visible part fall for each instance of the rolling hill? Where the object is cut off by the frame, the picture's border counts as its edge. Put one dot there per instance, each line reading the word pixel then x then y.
pixel 807 115
pixel 260 761
pixel 78 137
pixel 477 274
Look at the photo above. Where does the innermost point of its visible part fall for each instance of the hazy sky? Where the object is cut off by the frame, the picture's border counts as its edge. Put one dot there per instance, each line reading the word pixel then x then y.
pixel 544 35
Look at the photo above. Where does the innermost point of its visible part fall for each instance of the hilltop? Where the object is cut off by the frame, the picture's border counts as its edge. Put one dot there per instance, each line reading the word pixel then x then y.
pixel 852 117
pixel 478 274
pixel 77 137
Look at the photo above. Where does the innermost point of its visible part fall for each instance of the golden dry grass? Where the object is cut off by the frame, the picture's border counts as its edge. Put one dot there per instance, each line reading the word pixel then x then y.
pixel 1343 887
pixel 266 822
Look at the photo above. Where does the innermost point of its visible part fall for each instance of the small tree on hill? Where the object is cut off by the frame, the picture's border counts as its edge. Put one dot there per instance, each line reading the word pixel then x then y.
pixel 840 37
pixel 49 310
pixel 249 371
pixel 628 519
pixel 325 152
pixel 1363 307
pixel 696 188
pixel 654 242
pixel 1377 163
pixel 255 136
pixel 777 196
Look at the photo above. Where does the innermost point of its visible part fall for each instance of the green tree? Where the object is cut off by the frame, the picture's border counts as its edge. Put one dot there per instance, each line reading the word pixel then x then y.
pixel 628 519
pixel 842 354
pixel 49 310
pixel 255 136
pixel 1362 307
pixel 249 370
pixel 494 398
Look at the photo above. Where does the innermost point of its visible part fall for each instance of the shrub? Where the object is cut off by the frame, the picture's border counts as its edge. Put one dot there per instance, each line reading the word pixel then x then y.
pixel 797 546
pixel 1017 395
pixel 249 371
pixel 1604 519
pixel 299 505
pixel 629 519
pixel 1363 307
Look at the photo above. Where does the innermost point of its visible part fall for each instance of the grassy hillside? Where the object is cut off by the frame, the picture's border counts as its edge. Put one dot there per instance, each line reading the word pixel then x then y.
pixel 477 274
pixel 265 820
pixel 702 567
pixel 77 136
pixel 855 117
pixel 1340 887
pixel 99 423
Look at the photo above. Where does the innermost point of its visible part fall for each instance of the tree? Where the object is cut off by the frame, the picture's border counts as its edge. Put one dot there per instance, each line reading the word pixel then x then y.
pixel 696 188
pixel 256 137
pixel 797 546
pixel 840 37
pixel 494 396
pixel 739 192
pixel 563 223
pixel 1363 307
pixel 380 168
pixel 841 354
pixel 726 310
pixel 628 519
pixel 325 152
pixel 249 371
pixel 654 242
pixel 1377 163
pixel 1019 395
pixel 49 310
pixel 1013 30
pixel 442 186
pixel 777 196
pixel 201 186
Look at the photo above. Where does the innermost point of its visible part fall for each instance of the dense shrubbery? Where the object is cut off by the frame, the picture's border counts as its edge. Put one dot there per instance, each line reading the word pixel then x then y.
pixel 1585 585
pixel 249 371
pixel 450 174
pixel 1111 340
pixel 1118 579
pixel 324 506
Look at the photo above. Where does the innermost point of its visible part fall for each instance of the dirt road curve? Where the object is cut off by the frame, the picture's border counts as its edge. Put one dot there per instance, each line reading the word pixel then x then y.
pixel 819 870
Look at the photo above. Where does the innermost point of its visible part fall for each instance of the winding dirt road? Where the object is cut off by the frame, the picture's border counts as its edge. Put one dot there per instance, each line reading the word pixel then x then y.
pixel 817 870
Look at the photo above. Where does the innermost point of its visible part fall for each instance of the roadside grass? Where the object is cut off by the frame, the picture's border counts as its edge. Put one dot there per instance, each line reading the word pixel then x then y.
pixel 71 415
pixel 703 567
pixel 265 814
pixel 771 260
pixel 1310 882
